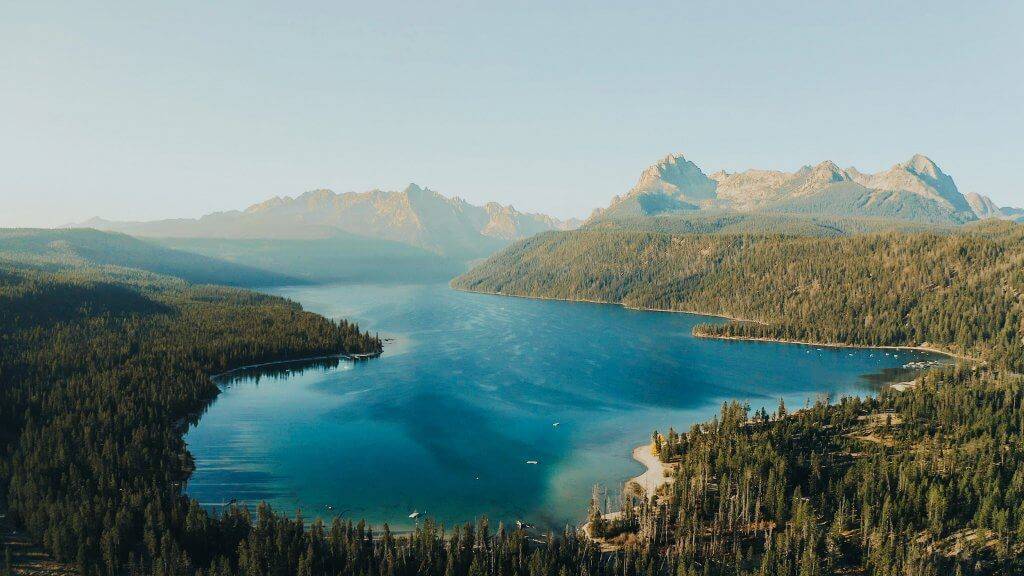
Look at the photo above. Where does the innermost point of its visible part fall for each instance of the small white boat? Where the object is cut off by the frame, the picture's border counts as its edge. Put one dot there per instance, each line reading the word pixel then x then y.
pixel 414 515
pixel 555 425
pixel 532 462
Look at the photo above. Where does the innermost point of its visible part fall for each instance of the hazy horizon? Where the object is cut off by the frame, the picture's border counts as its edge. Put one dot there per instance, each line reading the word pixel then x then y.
pixel 136 112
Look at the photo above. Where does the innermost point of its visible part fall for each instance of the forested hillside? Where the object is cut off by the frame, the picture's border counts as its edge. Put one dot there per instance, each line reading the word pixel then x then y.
pixel 962 292
pixel 63 249
pixel 101 370
pixel 918 483
pixel 732 222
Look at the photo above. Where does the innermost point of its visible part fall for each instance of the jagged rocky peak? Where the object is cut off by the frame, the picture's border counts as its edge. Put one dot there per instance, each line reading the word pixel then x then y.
pixel 923 165
pixel 673 166
pixel 856 175
pixel 269 204
pixel 423 195
pixel 916 189
pixel 921 176
pixel 310 199
pixel 827 172
pixel 416 215
pixel 494 208
pixel 676 175
pixel 414 189
pixel 318 193
pixel 810 179
pixel 984 208
pixel 316 199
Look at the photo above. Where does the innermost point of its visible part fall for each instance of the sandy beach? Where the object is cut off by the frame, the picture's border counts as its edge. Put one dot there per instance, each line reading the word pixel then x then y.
pixel 650 481
pixel 654 476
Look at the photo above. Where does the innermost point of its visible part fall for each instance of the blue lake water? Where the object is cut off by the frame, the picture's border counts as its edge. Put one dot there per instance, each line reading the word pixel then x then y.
pixel 469 390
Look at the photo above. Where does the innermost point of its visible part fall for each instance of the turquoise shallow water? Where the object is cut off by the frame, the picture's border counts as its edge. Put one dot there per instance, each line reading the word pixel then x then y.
pixel 469 390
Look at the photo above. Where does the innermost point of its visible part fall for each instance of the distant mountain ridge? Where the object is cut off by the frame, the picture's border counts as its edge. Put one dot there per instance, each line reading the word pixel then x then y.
pixel 417 216
pixel 75 249
pixel 916 190
pixel 985 208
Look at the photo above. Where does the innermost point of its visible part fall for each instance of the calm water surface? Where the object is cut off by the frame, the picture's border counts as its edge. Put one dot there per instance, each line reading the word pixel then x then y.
pixel 471 388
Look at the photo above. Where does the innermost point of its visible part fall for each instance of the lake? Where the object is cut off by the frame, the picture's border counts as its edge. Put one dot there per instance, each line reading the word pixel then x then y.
pixel 470 388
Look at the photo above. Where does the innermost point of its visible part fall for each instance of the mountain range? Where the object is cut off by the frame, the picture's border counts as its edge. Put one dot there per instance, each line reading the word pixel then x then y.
pixel 416 216
pixel 916 190
pixel 419 234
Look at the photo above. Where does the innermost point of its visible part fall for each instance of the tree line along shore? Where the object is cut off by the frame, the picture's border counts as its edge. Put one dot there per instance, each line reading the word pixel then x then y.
pixel 961 293
pixel 101 367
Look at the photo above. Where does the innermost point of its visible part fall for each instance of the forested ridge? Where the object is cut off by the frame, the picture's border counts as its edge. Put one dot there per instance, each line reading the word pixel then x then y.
pixel 962 292
pixel 101 369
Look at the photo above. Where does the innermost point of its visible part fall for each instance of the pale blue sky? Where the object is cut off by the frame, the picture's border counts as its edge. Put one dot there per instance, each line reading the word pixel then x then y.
pixel 140 110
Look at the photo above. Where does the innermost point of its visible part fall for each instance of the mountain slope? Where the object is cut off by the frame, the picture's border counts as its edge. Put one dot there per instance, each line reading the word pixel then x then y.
pixel 62 249
pixel 713 221
pixel 985 208
pixel 915 190
pixel 415 216
pixel 341 257
pixel 672 184
pixel 1015 214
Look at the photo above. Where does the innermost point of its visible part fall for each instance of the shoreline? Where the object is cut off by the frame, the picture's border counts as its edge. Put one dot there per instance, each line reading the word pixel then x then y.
pixel 338 356
pixel 609 303
pixel 649 481
pixel 654 476
pixel 940 351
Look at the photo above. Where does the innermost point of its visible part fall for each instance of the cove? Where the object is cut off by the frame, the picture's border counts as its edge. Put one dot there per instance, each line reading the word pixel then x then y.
pixel 470 388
